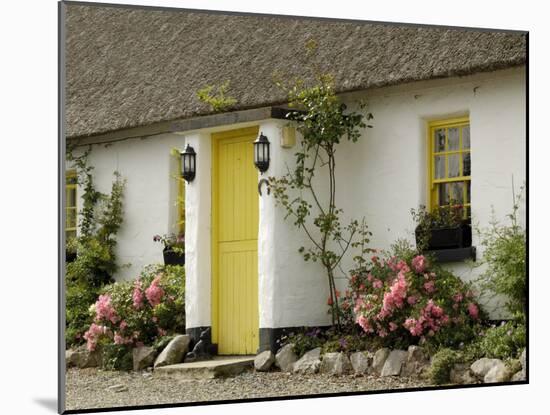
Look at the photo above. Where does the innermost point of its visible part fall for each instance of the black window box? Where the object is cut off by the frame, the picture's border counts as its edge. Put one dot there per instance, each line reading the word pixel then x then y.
pixel 70 256
pixel 448 238
pixel 453 254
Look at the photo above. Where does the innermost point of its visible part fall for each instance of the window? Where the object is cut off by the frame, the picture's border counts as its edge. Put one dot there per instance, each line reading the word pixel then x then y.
pixel 70 204
pixel 449 163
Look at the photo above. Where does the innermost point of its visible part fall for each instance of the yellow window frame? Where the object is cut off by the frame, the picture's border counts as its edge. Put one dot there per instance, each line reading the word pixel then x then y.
pixel 433 182
pixel 70 186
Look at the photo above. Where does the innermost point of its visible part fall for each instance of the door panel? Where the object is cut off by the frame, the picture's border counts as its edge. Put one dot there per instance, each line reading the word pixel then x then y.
pixel 235 243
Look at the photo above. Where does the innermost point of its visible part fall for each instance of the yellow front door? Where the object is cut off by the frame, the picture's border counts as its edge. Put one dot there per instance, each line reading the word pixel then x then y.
pixel 235 242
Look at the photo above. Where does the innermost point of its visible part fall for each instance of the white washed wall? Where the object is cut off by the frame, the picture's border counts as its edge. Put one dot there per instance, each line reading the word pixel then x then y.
pixel 292 292
pixel 197 235
pixel 149 197
pixel 381 177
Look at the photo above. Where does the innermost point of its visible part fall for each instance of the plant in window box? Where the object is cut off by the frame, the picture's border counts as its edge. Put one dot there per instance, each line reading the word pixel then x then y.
pixel 70 249
pixel 174 248
pixel 445 227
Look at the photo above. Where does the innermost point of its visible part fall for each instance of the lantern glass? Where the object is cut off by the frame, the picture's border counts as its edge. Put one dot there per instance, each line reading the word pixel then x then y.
pixel 261 153
pixel 188 163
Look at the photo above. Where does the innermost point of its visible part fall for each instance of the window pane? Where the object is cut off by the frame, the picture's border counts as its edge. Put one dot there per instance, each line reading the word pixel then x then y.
pixel 454 163
pixel 439 167
pixel 71 218
pixel 70 234
pixel 439 140
pixel 456 195
pixel 466 164
pixel 454 143
pixel 71 197
pixel 468 184
pixel 466 137
pixel 443 193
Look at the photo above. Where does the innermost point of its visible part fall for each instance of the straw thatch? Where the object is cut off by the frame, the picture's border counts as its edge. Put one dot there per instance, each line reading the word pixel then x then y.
pixel 134 67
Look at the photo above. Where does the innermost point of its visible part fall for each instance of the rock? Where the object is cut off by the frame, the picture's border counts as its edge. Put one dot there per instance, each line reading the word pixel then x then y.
pixel 517 367
pixel 468 378
pixel 417 361
pixel 309 362
pixel 335 364
pixel 70 357
pixel 82 358
pixel 174 351
pixel 118 388
pixel 95 358
pixel 263 361
pixel 498 373
pixel 514 365
pixel 490 370
pixel 482 366
pixel 519 376
pixel 379 359
pixel 361 362
pixel 394 363
pixel 458 373
pixel 143 357
pixel 285 358
pixel 522 359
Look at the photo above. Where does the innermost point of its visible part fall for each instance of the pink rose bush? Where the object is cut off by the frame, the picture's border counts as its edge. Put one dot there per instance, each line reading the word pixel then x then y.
pixel 409 300
pixel 132 313
pixel 104 309
pixel 155 292
pixel 137 295
pixel 94 334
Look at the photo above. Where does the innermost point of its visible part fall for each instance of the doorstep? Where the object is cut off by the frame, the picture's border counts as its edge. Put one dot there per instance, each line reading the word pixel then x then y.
pixel 219 366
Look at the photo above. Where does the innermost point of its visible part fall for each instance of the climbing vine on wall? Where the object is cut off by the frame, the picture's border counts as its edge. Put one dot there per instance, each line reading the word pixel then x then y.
pixel 324 122
pixel 100 218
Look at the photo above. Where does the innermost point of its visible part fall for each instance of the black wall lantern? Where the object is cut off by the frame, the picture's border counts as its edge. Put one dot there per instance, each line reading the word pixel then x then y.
pixel 261 153
pixel 188 164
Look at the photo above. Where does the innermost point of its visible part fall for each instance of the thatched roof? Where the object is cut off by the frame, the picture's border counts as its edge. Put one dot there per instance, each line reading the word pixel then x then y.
pixel 133 67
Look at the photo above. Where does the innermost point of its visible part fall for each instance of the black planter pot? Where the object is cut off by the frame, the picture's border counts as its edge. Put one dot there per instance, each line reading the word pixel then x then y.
pixel 448 238
pixel 70 256
pixel 173 258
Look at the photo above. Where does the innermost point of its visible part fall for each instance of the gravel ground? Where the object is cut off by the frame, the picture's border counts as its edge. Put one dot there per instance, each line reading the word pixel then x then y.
pixel 93 388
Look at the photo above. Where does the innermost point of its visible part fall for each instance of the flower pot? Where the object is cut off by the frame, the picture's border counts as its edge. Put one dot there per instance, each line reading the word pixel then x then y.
pixel 448 238
pixel 70 256
pixel 173 258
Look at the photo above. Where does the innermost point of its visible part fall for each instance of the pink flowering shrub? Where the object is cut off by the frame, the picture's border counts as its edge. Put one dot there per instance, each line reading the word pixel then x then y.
pixel 408 300
pixel 139 312
pixel 155 292
pixel 137 295
pixel 94 334
pixel 104 309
